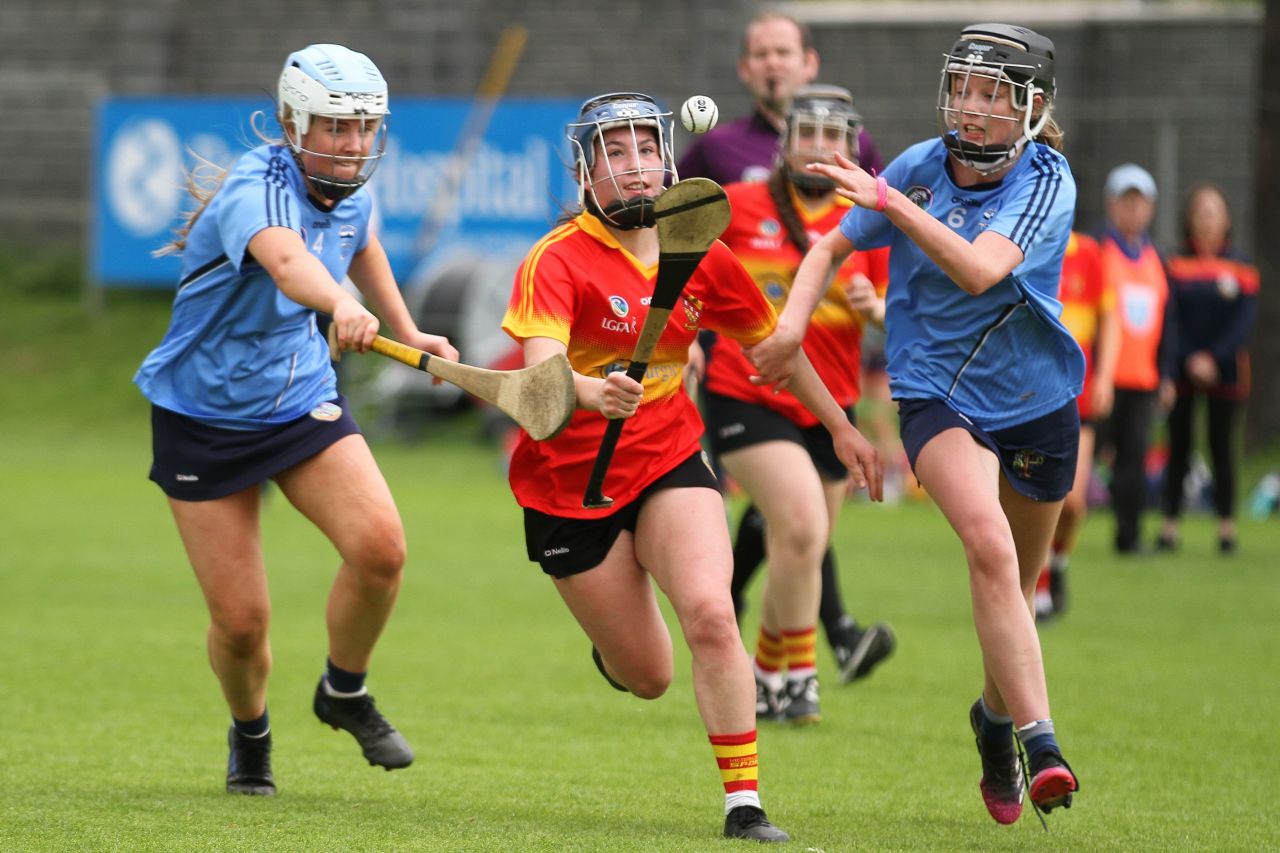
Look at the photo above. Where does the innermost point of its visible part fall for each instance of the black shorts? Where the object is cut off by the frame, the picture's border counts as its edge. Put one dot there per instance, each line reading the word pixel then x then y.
pixel 569 546
pixel 733 424
pixel 1038 458
pixel 192 461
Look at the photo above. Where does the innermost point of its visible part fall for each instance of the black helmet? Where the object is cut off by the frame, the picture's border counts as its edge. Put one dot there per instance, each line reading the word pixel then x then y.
pixel 820 108
pixel 1016 56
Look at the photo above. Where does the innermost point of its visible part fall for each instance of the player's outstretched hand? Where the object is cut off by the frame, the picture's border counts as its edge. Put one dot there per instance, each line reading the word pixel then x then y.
pixel 862 460
pixel 852 182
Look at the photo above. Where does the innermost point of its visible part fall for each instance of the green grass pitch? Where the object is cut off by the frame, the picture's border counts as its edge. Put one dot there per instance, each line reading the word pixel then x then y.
pixel 1163 676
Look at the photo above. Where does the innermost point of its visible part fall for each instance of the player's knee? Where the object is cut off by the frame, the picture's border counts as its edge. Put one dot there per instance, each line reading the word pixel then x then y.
pixel 241 633
pixel 711 628
pixel 380 555
pixel 651 684
pixel 802 536
pixel 990 551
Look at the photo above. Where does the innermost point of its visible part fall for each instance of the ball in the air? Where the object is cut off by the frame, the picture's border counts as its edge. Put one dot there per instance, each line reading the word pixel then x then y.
pixel 699 114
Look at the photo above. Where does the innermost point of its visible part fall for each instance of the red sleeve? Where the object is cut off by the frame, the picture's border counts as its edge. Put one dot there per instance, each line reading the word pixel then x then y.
pixel 730 301
pixel 543 297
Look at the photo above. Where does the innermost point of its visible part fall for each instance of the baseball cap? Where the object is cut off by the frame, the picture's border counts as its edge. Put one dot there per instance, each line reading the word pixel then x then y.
pixel 1130 176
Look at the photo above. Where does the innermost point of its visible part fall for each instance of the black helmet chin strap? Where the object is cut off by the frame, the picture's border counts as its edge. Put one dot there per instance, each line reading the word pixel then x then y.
pixel 629 215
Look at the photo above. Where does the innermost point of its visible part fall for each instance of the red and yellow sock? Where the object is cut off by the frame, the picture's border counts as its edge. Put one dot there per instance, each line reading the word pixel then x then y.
pixel 801 650
pixel 770 653
pixel 739 768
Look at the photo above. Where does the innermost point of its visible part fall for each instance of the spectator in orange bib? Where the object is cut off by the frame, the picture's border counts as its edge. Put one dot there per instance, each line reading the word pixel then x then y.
pixel 1133 269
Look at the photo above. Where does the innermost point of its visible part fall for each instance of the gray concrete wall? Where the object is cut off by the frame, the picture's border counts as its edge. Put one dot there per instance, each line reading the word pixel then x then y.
pixel 1177 94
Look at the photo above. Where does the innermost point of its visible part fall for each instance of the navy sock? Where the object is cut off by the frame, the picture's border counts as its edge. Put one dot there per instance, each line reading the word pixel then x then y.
pixel 343 681
pixel 253 728
pixel 1037 737
pixel 995 727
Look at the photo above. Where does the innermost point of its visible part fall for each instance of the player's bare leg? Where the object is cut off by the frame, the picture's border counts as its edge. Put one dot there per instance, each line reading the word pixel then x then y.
pixel 783 484
pixel 617 608
pixel 223 542
pixel 343 493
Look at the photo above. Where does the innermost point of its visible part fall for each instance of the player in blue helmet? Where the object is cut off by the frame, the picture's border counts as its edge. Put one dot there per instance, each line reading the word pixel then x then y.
pixel 630 110
pixel 984 372
pixel 583 291
pixel 242 391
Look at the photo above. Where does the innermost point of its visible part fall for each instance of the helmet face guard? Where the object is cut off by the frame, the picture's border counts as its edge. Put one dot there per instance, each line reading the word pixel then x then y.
pixel 329 89
pixel 1007 61
pixel 628 110
pixel 822 122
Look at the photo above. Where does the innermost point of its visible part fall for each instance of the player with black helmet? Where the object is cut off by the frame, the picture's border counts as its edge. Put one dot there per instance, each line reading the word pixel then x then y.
pixel 771 445
pixel 984 371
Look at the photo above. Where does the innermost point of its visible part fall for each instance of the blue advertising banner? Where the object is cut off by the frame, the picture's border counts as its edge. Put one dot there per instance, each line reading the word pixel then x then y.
pixel 515 184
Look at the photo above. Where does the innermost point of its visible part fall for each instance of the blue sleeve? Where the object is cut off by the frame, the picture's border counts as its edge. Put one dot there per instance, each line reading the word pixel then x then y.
pixel 256 195
pixel 1043 206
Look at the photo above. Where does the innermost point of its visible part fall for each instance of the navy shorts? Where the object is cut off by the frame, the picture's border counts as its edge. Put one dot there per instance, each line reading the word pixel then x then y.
pixel 733 424
pixel 1038 458
pixel 570 546
pixel 192 461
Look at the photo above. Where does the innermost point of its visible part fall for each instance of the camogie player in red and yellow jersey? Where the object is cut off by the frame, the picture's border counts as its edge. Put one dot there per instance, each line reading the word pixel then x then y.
pixel 1089 313
pixel 769 442
pixel 582 290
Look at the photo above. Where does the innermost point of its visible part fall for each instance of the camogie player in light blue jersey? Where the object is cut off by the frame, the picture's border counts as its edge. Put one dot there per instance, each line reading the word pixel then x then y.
pixel 984 372
pixel 242 391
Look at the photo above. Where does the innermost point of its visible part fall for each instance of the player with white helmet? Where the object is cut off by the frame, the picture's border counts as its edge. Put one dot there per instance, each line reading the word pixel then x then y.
pixel 984 371
pixel 242 392
pixel 320 87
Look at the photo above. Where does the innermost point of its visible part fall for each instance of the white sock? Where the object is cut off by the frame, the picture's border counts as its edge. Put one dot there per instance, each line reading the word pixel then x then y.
pixel 741 798
pixel 772 680
pixel 329 691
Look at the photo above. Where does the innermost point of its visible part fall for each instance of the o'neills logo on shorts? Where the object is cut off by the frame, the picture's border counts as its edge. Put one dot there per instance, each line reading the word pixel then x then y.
pixel 552 552
pixel 327 412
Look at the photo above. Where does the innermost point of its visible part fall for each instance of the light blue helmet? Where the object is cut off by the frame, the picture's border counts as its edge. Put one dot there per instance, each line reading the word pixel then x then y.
pixel 604 112
pixel 328 82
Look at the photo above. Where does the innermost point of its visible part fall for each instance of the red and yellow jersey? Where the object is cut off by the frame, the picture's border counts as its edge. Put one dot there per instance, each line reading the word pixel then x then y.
pixel 1141 292
pixel 1085 296
pixel 580 287
pixel 833 341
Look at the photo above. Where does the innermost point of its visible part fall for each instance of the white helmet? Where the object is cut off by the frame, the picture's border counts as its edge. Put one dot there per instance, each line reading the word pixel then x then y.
pixel 331 82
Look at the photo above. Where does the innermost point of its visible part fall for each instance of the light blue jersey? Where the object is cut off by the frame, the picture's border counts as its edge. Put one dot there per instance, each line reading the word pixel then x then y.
pixel 239 353
pixel 1002 358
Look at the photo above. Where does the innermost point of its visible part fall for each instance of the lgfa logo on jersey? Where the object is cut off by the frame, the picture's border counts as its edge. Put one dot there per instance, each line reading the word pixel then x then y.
pixel 619 306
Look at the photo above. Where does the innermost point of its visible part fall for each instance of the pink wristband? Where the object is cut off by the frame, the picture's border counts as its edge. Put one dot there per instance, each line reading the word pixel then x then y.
pixel 882 193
